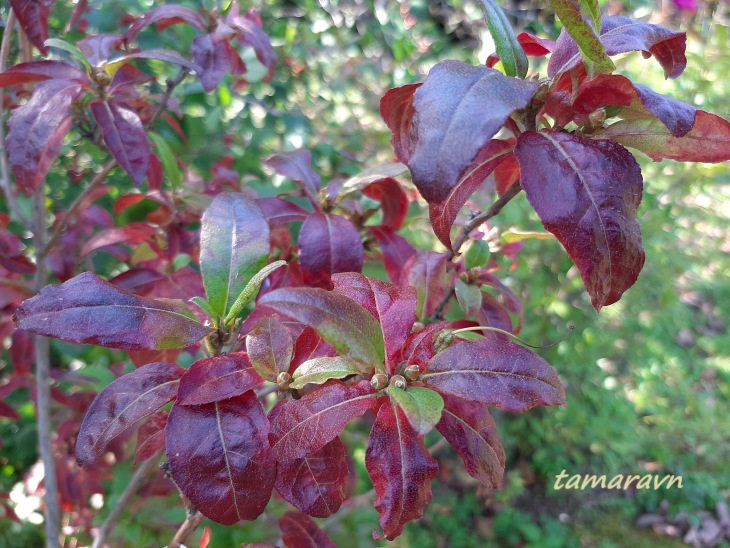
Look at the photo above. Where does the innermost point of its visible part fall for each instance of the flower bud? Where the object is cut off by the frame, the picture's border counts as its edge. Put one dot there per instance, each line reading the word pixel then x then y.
pixel 443 340
pixel 284 380
pixel 379 381
pixel 412 372
pixel 398 381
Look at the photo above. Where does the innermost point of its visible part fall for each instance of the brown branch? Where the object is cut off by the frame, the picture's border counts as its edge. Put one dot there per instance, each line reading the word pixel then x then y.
pixel 192 521
pixel 139 478
pixel 100 177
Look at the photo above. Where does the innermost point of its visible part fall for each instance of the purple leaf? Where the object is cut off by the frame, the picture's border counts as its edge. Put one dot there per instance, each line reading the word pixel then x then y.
pixel 11 254
pixel 495 372
pixel 621 34
pixel 394 306
pixel 124 134
pixel 217 378
pixel 279 212
pixel 121 404
pixel 220 459
pixel 300 531
pixel 315 484
pixel 401 470
pixel 419 347
pixel 426 271
pixel 458 109
pixel 169 15
pixel 270 347
pixel 98 48
pixel 37 130
pixel 150 437
pixel 88 310
pixel 328 244
pixel 250 33
pixel 38 71
pixel 470 429
pixel 297 166
pixel 302 427
pixel 396 250
pixel 586 193
pixel 214 58
pixel 443 214
pixel 164 55
pixel 33 18
pixel 133 233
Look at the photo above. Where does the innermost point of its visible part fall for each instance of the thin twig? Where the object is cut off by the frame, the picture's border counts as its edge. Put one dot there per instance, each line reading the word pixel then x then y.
pixel 438 312
pixel 4 164
pixel 139 478
pixel 100 177
pixel 192 521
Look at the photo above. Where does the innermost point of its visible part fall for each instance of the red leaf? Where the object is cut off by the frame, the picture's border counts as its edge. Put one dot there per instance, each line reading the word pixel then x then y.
pixel 37 130
pixel 451 124
pixel 220 459
pixel 121 404
pixel 708 141
pixel 493 314
pixel 168 15
pixel 8 412
pixel 150 437
pixel 33 18
pixel 470 429
pixel 22 352
pixel 401 470
pixel 143 357
pixel 418 349
pixel 393 201
pixel 304 426
pixel 206 537
pixel 297 166
pixel 443 214
pixel 396 251
pixel 531 45
pixel 328 244
pixel 131 234
pixel 279 212
pixel 511 301
pixel 38 71
pixel 11 254
pixel 214 59
pixel 621 34
pixel 300 531
pixel 396 109
pixel 394 306
pixel 217 378
pixel 315 484
pixel 586 193
pixel 125 136
pixel 270 347
pixel 506 173
pixel 495 372
pixel 88 310
pixel 426 271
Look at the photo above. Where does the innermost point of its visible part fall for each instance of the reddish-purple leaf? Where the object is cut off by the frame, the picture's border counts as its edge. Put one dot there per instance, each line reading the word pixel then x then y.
pixel 89 310
pixel 220 459
pixel 339 320
pixel 511 301
pixel 11 254
pixel 250 33
pixel 621 34
pixel 493 314
pixel 213 57
pixel 443 214
pixel 394 306
pixel 304 426
pixel 426 271
pixel 300 531
pixel 708 141
pixel 22 353
pixel 586 193
pixel 495 372
pixel 98 48
pixel 396 109
pixel 316 483
pixel 401 470
pixel 7 411
pixel 131 234
pixel 531 45
pixel 38 71
pixel 150 437
pixel 37 130
pixel 279 212
pixel 297 166
pixel 164 55
pixel 33 18
pixel 419 348
pixel 169 14
pixel 470 429
pixel 270 347
pixel 328 244
pixel 396 250
pixel 124 134
pixel 393 201
pixel 458 109
pixel 122 403
pixel 217 378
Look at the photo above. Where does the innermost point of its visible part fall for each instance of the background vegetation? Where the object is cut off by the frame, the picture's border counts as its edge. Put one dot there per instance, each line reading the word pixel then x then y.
pixel 648 380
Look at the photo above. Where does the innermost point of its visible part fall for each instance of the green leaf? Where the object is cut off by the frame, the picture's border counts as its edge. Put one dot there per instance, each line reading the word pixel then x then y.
pixel 422 406
pixel 205 307
pixel 169 164
pixel 512 235
pixel 509 49
pixel 320 370
pixel 477 255
pixel 250 291
pixel 469 298
pixel 234 246
pixel 592 8
pixel 68 48
pixel 585 35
